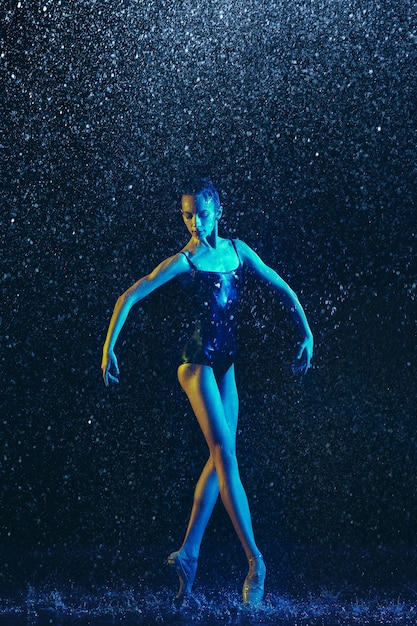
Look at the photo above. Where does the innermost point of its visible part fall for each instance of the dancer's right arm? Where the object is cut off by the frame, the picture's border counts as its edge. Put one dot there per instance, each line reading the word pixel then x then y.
pixel 165 271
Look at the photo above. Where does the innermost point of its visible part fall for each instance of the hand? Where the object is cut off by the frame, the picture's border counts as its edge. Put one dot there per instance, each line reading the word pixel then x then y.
pixel 305 355
pixel 109 360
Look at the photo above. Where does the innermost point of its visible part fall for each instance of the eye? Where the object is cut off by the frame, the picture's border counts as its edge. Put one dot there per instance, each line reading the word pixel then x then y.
pixel 186 215
pixel 204 215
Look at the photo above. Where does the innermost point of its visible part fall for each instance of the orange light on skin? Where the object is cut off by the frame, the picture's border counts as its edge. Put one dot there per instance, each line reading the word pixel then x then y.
pixel 188 203
pixel 197 204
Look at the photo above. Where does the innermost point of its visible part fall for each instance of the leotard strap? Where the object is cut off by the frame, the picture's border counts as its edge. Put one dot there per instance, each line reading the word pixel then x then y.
pixel 237 253
pixel 189 261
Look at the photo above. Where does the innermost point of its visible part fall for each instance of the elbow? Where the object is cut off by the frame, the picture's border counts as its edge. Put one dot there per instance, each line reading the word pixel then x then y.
pixel 294 298
pixel 125 300
pixel 121 300
pixel 292 302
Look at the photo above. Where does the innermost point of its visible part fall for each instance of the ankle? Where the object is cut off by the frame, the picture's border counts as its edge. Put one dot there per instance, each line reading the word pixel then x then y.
pixel 255 558
pixel 256 565
pixel 189 555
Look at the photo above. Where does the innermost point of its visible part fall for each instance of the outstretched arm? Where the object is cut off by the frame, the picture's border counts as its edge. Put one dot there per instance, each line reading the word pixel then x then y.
pixel 164 272
pixel 288 297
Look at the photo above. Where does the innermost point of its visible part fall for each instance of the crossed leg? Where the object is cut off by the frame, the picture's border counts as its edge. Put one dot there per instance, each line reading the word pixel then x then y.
pixel 207 488
pixel 215 404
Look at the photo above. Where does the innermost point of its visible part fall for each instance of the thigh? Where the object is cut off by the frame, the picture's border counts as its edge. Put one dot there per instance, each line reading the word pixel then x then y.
pixel 202 389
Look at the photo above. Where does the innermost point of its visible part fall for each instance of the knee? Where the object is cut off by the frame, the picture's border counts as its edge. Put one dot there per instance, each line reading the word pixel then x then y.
pixel 224 458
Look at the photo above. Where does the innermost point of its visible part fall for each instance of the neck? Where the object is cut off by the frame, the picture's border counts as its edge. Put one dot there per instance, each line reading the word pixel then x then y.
pixel 213 239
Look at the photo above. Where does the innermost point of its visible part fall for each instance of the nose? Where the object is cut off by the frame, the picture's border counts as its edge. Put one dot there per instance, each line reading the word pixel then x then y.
pixel 196 221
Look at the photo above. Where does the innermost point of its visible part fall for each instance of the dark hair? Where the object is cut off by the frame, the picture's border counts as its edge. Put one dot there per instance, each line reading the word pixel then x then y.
pixel 206 188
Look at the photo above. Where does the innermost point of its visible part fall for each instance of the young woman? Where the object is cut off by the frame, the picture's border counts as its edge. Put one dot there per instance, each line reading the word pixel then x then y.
pixel 212 266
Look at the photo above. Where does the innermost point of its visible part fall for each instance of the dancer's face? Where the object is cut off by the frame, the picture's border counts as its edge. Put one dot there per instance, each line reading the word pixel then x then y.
pixel 200 215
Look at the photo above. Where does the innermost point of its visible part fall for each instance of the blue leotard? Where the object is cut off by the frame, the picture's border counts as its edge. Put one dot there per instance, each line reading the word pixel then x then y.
pixel 215 298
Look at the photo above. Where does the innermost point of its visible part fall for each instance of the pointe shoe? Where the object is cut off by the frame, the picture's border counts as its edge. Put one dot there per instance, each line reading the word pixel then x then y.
pixel 186 569
pixel 253 587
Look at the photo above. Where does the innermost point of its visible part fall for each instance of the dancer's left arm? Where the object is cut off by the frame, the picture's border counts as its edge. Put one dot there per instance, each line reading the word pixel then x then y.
pixel 288 297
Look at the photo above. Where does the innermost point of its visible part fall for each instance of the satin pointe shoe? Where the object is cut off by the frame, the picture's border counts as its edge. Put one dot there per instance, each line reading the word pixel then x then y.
pixel 253 587
pixel 186 569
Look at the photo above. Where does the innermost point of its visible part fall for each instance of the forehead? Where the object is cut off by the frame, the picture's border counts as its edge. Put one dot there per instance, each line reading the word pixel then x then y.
pixel 195 203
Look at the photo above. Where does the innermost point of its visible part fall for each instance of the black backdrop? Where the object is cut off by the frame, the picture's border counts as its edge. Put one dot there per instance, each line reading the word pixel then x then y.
pixel 304 114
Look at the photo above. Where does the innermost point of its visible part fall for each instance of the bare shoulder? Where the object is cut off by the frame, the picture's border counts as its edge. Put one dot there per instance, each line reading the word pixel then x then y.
pixel 246 253
pixel 178 259
pixel 172 266
pixel 252 260
pixel 178 262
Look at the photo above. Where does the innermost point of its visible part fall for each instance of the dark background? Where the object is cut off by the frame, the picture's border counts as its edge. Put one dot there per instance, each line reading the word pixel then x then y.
pixel 304 115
